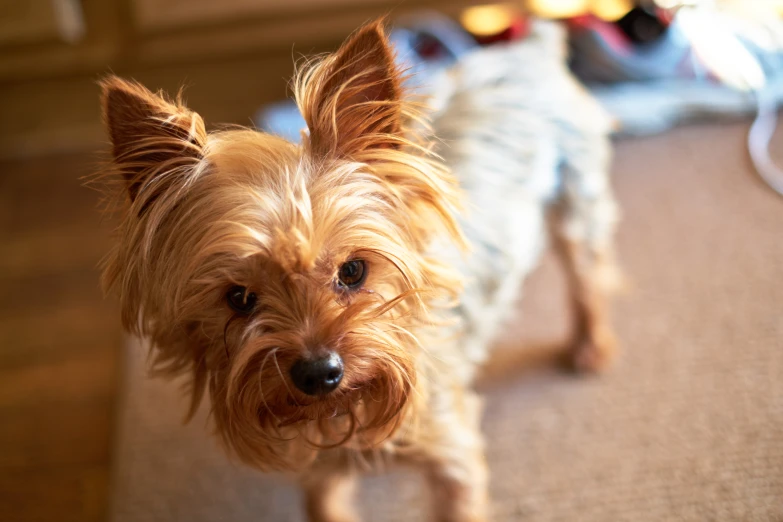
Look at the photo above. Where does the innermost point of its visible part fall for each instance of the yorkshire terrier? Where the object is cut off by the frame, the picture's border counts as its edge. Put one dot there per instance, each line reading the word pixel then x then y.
pixel 325 293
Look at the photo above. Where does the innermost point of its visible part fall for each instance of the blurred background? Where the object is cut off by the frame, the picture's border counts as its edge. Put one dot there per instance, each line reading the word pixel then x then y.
pixel 654 65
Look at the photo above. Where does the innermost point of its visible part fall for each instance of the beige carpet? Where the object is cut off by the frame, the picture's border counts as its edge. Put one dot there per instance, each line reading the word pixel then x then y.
pixel 688 425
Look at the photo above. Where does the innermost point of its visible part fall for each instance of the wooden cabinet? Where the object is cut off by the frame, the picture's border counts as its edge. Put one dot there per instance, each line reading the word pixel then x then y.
pixel 39 21
pixel 48 38
pixel 53 51
pixel 157 15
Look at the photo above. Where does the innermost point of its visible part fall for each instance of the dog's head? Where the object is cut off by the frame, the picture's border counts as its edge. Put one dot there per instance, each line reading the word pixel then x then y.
pixel 288 280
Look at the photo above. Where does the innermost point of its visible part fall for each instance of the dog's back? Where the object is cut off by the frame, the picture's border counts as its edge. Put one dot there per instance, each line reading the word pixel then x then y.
pixel 520 133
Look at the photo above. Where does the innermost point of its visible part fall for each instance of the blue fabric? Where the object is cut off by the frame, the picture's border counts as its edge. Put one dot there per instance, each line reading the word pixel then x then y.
pixel 648 90
pixel 283 118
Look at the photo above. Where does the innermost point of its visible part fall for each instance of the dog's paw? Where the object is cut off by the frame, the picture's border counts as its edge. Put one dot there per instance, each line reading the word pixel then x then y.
pixel 591 356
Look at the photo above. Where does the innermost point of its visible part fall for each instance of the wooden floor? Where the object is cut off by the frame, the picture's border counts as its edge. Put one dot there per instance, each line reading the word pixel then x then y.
pixel 60 340
pixel 59 344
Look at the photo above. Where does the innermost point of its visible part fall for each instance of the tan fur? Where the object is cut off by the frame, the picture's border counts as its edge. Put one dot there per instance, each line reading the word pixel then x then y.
pixel 202 213
pixel 592 277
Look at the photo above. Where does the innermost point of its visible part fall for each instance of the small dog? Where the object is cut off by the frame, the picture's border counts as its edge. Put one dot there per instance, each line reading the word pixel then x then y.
pixel 322 293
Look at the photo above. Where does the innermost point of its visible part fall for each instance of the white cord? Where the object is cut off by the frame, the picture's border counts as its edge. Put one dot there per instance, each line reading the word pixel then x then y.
pixel 759 137
pixel 763 128
pixel 714 38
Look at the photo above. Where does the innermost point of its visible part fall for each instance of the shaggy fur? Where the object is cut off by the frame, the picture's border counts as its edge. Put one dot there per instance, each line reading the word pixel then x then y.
pixel 208 213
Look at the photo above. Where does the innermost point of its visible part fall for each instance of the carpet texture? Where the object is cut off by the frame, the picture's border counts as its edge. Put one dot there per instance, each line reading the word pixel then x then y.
pixel 687 425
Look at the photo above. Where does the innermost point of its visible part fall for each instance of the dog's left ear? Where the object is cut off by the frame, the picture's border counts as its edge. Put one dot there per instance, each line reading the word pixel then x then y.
pixel 351 103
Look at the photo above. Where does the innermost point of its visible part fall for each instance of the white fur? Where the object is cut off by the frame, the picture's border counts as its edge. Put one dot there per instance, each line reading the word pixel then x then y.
pixel 519 132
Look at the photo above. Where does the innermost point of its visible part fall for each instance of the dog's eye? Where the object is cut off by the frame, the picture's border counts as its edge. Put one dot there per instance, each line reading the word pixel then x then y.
pixel 352 273
pixel 240 300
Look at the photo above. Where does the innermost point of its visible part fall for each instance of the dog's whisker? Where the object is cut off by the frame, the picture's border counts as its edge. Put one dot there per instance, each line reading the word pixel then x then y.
pixel 283 379
pixel 261 383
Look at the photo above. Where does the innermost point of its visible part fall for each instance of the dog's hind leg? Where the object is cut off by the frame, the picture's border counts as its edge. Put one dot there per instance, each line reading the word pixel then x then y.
pixel 584 221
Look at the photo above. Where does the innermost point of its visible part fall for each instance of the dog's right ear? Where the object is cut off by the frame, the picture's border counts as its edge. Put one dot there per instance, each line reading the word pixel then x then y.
pixel 151 136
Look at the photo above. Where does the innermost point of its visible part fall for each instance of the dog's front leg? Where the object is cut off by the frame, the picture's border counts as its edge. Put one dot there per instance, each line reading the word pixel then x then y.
pixel 329 493
pixel 454 462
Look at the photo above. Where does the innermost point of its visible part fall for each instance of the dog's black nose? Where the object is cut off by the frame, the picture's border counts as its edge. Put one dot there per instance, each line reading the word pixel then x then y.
pixel 318 376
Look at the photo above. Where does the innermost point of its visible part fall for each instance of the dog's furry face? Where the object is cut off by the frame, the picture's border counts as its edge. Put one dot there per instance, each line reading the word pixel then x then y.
pixel 241 254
